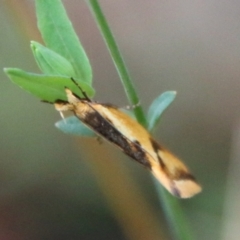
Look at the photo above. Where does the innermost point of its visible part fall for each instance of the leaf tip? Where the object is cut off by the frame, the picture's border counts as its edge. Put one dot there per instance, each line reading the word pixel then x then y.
pixel 8 71
pixel 5 70
pixel 58 124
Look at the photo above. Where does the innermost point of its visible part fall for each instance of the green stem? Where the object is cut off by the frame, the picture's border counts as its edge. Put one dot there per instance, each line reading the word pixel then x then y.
pixel 174 214
pixel 171 206
pixel 118 60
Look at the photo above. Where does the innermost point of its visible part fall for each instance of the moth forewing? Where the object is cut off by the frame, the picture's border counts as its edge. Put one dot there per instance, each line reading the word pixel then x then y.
pixel 180 182
pixel 134 140
pixel 128 127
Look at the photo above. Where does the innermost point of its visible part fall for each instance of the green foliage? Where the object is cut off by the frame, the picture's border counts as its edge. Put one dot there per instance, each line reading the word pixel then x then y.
pixel 121 68
pixel 47 87
pixel 58 34
pixel 64 58
pixel 50 62
pixel 158 106
pixel 72 125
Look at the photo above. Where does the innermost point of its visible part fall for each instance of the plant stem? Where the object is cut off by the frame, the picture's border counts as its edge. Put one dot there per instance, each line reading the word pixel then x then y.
pixel 118 60
pixel 174 214
pixel 172 208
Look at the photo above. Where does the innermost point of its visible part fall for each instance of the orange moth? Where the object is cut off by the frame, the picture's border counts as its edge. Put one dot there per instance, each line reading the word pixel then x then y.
pixel 134 140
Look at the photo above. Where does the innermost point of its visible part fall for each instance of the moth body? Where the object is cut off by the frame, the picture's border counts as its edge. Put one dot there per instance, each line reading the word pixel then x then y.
pixel 135 141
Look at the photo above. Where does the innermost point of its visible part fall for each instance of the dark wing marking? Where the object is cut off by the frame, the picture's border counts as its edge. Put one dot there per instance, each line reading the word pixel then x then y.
pixel 105 128
pixel 178 172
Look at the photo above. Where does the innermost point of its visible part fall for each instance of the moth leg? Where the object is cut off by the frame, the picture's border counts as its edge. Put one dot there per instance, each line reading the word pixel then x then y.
pixel 62 116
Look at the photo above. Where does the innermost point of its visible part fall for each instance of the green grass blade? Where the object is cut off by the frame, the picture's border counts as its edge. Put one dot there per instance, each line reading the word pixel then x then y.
pixel 118 60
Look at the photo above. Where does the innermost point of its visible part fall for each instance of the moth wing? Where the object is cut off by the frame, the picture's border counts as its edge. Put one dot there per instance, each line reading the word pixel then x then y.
pixel 175 176
pixel 168 169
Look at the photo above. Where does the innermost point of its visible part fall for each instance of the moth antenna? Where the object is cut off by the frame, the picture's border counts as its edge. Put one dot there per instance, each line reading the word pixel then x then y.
pixel 45 101
pixel 83 92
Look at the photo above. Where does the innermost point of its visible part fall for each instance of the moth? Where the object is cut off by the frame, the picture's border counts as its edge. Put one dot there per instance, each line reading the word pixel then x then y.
pixel 134 140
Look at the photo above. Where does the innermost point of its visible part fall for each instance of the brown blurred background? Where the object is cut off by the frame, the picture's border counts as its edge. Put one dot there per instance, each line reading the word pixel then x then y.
pixel 51 187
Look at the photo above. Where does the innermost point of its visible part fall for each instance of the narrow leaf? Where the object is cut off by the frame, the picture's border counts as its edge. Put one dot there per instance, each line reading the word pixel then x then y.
pixel 158 106
pixel 59 35
pixel 72 125
pixel 47 88
pixel 51 62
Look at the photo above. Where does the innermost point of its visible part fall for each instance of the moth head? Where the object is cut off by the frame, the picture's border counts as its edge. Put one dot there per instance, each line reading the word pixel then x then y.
pixel 72 98
pixel 63 106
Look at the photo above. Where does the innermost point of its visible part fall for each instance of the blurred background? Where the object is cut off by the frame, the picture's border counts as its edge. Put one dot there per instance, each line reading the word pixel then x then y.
pixel 57 186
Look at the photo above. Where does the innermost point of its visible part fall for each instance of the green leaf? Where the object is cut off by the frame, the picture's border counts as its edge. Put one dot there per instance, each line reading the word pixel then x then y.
pixel 50 62
pixel 58 34
pixel 158 106
pixel 47 88
pixel 72 125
